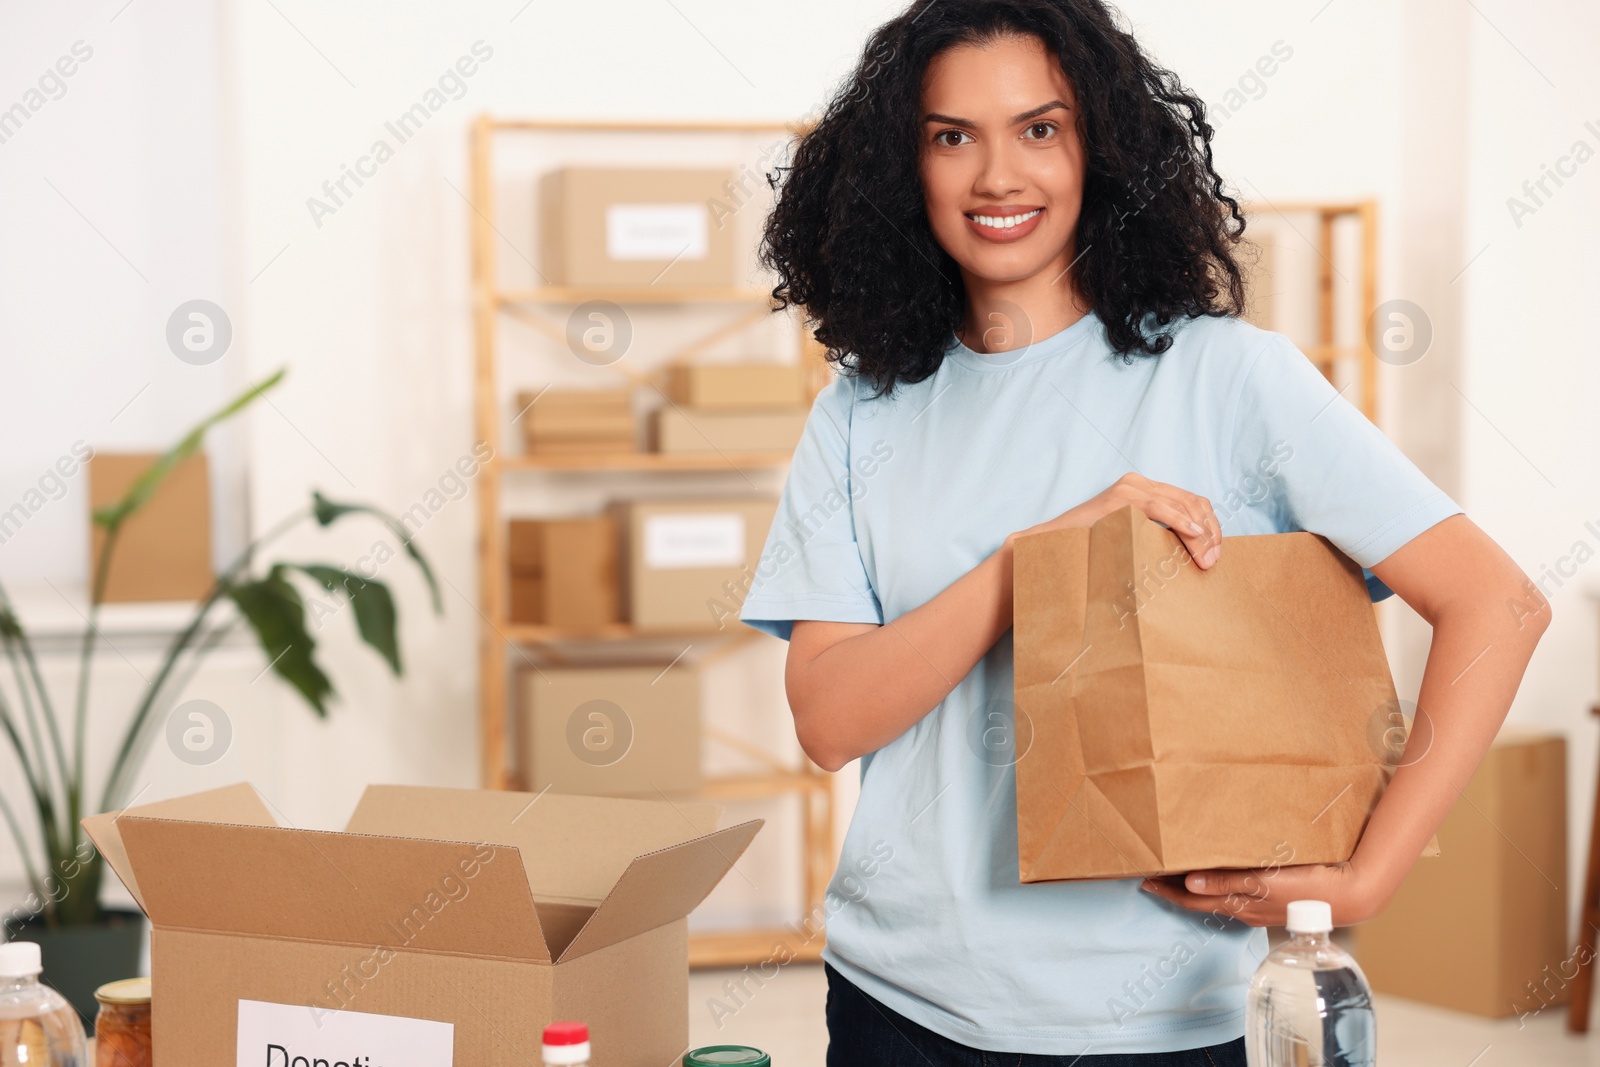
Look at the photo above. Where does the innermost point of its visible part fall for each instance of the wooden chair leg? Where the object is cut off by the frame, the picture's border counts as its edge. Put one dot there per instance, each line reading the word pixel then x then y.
pixel 1582 992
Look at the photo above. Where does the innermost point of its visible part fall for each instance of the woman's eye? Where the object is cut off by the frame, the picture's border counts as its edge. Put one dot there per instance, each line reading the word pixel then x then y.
pixel 940 138
pixel 1048 127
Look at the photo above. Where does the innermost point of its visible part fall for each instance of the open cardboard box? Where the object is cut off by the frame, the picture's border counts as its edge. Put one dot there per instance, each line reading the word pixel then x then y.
pixel 443 926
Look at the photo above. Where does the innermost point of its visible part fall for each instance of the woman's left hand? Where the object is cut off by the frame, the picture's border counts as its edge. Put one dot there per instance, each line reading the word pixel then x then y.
pixel 1261 897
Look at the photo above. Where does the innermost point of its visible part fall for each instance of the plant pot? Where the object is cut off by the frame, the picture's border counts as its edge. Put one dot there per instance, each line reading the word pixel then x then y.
pixel 80 959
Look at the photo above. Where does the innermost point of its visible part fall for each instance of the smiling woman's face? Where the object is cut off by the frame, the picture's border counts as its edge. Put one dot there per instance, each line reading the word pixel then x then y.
pixel 1001 162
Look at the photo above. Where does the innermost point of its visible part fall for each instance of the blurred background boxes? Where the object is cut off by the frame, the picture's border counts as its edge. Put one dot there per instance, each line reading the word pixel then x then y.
pixel 563 572
pixel 735 386
pixel 1482 928
pixel 164 551
pixel 636 226
pixel 582 421
pixel 678 430
pixel 687 564
pixel 614 729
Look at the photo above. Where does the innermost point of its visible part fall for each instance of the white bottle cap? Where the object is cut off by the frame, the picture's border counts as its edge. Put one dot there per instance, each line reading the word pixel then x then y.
pixel 19 959
pixel 1309 917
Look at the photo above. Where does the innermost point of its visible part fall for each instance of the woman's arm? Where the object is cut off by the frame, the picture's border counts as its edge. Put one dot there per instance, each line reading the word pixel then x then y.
pixel 1486 617
pixel 854 687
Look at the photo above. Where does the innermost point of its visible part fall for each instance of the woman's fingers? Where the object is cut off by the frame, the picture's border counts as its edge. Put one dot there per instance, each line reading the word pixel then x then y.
pixel 1200 508
pixel 1199 538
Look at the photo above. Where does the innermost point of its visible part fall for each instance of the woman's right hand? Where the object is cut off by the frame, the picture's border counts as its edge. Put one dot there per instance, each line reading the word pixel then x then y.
pixel 1184 513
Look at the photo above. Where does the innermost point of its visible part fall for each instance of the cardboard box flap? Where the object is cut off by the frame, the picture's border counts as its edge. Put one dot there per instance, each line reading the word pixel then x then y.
pixel 662 886
pixel 237 803
pixel 341 888
pixel 573 848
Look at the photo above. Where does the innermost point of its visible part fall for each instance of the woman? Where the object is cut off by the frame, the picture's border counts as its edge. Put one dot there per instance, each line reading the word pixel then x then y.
pixel 1010 235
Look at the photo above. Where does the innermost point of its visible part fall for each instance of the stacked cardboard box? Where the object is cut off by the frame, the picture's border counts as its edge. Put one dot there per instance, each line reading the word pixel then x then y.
pixel 164 551
pixel 1483 928
pixel 731 407
pixel 628 730
pixel 603 226
pixel 577 421
pixel 442 926
pixel 687 564
pixel 564 572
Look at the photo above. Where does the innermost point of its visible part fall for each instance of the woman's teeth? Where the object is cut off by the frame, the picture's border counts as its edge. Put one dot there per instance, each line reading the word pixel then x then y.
pixel 1003 222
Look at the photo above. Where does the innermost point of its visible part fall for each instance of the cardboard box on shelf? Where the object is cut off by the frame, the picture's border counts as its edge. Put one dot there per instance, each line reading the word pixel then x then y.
pixel 687 564
pixel 735 386
pixel 679 429
pixel 1171 719
pixel 622 730
pixel 442 926
pixel 563 572
pixel 164 551
pixel 1483 929
pixel 639 226
pixel 577 420
pixel 1259 260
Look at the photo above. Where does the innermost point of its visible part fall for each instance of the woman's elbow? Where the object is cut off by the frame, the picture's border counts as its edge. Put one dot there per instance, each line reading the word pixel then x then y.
pixel 1530 608
pixel 819 746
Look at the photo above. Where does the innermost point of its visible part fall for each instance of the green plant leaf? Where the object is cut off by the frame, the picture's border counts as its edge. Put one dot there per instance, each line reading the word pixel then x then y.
pixel 329 511
pixel 275 611
pixel 376 617
pixel 143 488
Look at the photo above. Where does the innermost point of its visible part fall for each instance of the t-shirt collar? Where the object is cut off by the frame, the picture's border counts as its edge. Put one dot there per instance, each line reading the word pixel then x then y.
pixel 1043 348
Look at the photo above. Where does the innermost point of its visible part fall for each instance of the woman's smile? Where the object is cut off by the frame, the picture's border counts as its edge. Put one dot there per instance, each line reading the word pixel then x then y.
pixel 1003 225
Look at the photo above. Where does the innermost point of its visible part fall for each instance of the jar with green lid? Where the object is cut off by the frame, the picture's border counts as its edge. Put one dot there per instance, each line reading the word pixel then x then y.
pixel 719 1055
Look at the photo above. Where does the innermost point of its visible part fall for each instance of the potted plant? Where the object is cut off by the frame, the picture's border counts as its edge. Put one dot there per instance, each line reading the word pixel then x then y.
pixel 85 945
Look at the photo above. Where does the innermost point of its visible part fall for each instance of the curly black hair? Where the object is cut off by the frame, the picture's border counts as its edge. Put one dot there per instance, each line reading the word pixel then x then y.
pixel 849 238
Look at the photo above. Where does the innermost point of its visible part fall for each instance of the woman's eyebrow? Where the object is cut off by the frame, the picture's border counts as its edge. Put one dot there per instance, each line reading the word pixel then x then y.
pixel 1031 113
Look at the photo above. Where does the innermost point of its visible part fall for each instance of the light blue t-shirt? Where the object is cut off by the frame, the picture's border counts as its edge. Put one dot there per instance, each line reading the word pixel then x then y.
pixel 889 500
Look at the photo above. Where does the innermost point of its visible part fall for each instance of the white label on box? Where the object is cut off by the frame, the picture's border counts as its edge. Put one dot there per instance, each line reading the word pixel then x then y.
pixel 714 539
pixel 657 231
pixel 298 1035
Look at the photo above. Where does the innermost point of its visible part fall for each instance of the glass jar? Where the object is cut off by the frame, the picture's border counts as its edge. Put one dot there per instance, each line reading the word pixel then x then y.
pixel 122 1028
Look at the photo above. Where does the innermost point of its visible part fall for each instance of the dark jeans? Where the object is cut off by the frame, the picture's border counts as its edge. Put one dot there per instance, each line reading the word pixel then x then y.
pixel 864 1033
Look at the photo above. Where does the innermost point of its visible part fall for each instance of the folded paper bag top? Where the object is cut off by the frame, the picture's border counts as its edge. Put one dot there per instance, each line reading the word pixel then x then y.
pixel 1184 719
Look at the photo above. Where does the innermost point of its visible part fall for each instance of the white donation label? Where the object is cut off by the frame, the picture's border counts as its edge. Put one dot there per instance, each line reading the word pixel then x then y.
pixel 296 1035
pixel 673 542
pixel 657 231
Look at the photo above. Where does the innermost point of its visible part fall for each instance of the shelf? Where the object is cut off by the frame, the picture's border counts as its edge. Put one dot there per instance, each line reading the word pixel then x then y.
pixel 649 461
pixel 737 948
pixel 643 294
pixel 760 784
pixel 542 308
pixel 536 634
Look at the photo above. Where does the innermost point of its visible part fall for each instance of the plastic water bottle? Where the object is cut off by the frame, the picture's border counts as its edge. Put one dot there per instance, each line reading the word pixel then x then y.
pixel 1309 1004
pixel 566 1044
pixel 38 1028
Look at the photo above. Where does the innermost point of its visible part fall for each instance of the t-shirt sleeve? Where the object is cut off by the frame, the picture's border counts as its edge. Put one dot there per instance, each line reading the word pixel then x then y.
pixel 1334 472
pixel 811 566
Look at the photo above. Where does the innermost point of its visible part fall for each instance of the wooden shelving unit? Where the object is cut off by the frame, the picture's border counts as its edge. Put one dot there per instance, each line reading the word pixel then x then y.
pixel 1324 350
pixel 498 636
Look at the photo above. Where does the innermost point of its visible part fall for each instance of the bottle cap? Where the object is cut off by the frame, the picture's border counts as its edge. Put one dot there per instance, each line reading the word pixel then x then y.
pixel 19 959
pixel 566 1043
pixel 715 1055
pixel 1309 917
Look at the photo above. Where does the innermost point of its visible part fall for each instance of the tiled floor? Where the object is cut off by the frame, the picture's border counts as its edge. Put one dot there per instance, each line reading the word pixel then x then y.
pixel 783 1016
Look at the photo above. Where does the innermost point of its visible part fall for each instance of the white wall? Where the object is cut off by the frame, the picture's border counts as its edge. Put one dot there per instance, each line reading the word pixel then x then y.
pixel 1529 372
pixel 194 136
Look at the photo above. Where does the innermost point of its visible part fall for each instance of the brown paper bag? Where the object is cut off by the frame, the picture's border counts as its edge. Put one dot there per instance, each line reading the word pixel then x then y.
pixel 1184 719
